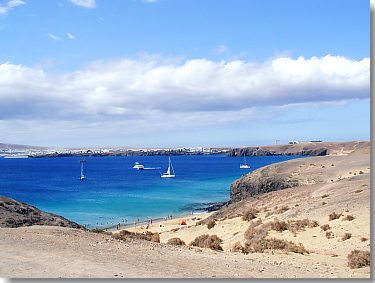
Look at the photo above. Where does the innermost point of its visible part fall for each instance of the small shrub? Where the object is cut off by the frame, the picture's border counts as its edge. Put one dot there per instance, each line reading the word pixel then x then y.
pixel 364 239
pixel 334 216
pixel 325 196
pixel 176 241
pixel 324 203
pixel 279 226
pixel 358 191
pixel 360 172
pixel 358 259
pixel 252 231
pixel 325 227
pixel 349 218
pixel 329 234
pixel 346 236
pixel 250 214
pixel 155 238
pixel 237 247
pixel 211 224
pixel 282 209
pixel 260 245
pixel 208 241
pixel 148 236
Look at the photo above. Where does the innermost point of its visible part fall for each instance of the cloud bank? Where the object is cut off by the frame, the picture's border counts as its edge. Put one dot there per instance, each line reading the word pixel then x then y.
pixel 193 90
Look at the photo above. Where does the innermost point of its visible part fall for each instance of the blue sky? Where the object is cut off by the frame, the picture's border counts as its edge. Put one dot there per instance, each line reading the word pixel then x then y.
pixel 183 73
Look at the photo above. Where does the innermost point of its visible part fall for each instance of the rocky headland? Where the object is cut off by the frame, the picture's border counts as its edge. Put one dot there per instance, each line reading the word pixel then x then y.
pixel 18 214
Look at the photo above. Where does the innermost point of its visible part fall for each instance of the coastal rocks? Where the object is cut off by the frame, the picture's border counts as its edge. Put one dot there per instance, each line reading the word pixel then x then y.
pixel 260 182
pixel 17 214
pixel 302 149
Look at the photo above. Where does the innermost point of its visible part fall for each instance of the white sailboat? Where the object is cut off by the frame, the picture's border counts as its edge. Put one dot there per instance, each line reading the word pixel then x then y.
pixel 170 172
pixel 244 165
pixel 138 166
pixel 82 175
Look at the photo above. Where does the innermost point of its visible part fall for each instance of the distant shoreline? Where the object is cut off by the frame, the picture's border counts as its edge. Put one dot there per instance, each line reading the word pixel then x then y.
pixel 315 148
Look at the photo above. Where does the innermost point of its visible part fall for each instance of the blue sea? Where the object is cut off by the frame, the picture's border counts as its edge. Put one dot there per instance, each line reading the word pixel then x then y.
pixel 114 192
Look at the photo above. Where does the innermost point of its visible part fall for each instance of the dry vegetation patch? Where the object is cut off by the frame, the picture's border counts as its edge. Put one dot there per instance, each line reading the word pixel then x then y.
pixel 325 227
pixel 208 241
pixel 250 214
pixel 176 241
pixel 348 218
pixel 148 236
pixel 334 216
pixel 237 247
pixel 346 236
pixel 358 259
pixel 211 224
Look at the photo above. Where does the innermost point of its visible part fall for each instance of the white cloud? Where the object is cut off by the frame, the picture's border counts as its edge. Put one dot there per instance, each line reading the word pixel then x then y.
pixel 9 5
pixel 84 3
pixel 53 37
pixel 199 91
pixel 71 36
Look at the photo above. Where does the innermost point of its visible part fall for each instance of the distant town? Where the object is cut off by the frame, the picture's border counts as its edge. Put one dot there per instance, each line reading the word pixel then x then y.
pixel 24 151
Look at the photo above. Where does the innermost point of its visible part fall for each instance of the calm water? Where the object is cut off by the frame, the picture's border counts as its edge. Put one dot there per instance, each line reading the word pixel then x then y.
pixel 113 191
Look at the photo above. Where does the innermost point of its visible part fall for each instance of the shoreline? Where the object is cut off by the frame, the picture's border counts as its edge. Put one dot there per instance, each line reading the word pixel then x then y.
pixel 207 208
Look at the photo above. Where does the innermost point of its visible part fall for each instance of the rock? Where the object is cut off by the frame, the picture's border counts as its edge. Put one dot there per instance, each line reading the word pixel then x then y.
pixel 16 214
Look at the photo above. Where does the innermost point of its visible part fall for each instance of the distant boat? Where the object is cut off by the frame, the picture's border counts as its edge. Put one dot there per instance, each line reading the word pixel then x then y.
pixel 244 165
pixel 170 171
pixel 138 166
pixel 82 175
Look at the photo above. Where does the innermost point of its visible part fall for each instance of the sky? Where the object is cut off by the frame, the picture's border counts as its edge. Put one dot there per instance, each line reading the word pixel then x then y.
pixel 172 73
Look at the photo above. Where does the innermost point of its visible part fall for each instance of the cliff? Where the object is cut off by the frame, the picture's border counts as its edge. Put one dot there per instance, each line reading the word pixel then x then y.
pixel 303 149
pixel 16 214
pixel 347 160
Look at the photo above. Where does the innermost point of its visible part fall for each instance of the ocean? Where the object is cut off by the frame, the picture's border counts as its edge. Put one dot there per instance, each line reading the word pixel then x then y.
pixel 114 192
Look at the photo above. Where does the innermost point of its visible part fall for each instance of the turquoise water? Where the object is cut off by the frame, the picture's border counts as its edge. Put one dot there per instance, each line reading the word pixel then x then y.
pixel 114 193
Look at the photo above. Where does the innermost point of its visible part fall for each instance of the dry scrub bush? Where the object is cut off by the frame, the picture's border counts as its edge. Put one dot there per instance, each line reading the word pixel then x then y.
pixel 358 191
pixel 211 224
pixel 329 234
pixel 349 218
pixel 278 226
pixel 346 236
pixel 334 216
pixel 325 196
pixel 176 241
pixel 260 245
pixel 364 239
pixel 298 225
pixel 250 214
pixel 148 236
pixel 208 241
pixel 237 247
pixel 282 209
pixel 325 227
pixel 324 203
pixel 357 259
pixel 155 238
